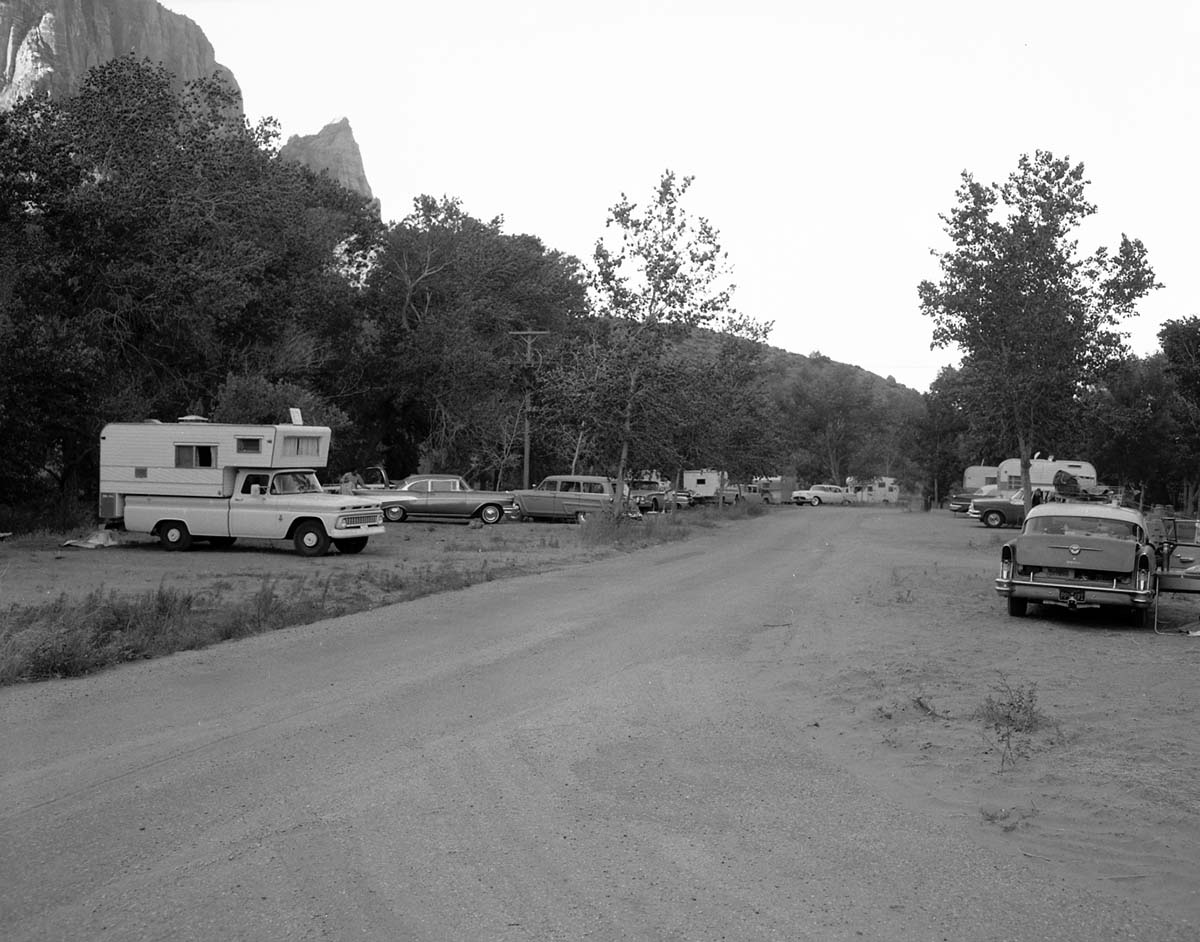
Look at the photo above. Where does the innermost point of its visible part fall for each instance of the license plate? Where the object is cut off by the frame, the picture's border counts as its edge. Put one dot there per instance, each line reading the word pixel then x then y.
pixel 1070 595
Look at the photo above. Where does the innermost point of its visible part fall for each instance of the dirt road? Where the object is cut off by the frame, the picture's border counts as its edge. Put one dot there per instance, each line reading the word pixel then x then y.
pixel 763 733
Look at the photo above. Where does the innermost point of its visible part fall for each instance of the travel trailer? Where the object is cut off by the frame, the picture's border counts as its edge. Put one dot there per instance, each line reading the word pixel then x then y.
pixel 1042 472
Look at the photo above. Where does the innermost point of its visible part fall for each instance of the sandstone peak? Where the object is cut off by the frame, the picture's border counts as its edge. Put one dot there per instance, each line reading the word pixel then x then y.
pixel 331 149
pixel 49 45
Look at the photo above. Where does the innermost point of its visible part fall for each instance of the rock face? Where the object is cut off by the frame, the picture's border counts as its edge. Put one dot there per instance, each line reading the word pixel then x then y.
pixel 49 45
pixel 334 149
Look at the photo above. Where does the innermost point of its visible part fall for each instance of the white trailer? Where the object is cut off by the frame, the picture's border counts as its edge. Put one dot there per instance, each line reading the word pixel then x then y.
pixel 980 475
pixel 218 482
pixel 708 485
pixel 1042 472
pixel 873 490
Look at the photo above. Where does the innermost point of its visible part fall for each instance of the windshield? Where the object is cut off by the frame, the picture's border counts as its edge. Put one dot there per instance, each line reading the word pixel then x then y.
pixel 295 482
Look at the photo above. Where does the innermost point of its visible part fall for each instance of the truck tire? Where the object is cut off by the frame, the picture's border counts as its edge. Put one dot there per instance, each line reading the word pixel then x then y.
pixel 310 539
pixel 490 513
pixel 356 544
pixel 992 518
pixel 174 535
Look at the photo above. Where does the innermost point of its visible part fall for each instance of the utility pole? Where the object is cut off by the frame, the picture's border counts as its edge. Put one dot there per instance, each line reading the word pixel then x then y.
pixel 529 336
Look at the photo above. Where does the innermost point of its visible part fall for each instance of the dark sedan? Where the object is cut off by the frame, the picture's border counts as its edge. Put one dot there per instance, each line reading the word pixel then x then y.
pixel 445 496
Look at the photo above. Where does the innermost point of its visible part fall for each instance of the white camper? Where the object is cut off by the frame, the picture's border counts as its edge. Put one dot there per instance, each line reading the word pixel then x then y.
pixel 217 482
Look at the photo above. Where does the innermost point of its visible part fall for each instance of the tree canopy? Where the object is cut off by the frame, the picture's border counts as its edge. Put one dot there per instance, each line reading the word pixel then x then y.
pixel 1035 321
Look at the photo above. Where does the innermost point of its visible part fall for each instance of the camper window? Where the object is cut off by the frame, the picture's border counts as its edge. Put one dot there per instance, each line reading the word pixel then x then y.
pixel 249 446
pixel 301 445
pixel 195 456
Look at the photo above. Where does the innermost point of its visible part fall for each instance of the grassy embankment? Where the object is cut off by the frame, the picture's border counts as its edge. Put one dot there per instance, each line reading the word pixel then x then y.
pixel 69 638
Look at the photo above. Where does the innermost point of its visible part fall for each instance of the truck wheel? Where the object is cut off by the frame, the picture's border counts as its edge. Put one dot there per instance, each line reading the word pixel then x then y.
pixel 490 513
pixel 1017 607
pixel 394 514
pixel 815 500
pixel 310 539
pixel 174 535
pixel 356 544
pixel 993 518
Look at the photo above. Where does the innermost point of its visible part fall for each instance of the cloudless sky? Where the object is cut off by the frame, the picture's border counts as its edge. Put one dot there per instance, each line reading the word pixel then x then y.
pixel 825 139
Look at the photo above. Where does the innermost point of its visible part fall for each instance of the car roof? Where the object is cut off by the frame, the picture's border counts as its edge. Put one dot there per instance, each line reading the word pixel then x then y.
pixel 1087 509
pixel 432 477
pixel 574 477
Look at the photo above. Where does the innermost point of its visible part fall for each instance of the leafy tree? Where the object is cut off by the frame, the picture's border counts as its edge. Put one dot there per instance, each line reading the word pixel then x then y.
pixel 661 274
pixel 1034 321
pixel 1136 427
pixel 830 410
pixel 442 384
pixel 153 244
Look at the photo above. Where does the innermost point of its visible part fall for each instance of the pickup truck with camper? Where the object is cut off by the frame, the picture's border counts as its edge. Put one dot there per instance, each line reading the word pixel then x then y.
pixel 195 480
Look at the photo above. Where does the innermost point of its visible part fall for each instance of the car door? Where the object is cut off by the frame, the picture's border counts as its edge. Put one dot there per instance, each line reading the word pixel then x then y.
pixel 253 512
pixel 542 501
pixel 445 497
pixel 568 501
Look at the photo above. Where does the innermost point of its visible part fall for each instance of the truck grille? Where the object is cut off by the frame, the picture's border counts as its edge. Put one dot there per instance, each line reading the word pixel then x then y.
pixel 363 520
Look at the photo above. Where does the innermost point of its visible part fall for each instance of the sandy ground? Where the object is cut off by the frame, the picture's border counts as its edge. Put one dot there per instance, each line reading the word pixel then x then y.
pixel 1106 792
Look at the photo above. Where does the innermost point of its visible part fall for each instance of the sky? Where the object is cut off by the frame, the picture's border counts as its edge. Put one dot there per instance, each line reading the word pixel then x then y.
pixel 825 139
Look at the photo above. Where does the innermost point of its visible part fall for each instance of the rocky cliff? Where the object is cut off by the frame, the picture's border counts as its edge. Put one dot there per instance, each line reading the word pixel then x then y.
pixel 334 149
pixel 49 45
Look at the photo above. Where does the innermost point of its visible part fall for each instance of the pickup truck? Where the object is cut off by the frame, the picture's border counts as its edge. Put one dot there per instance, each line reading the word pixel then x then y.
pixel 287 504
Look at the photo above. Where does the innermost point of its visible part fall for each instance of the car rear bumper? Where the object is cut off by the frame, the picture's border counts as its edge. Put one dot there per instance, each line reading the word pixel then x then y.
pixel 1074 594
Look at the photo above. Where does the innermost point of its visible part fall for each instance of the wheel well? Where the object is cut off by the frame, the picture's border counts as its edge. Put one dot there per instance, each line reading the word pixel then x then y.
pixel 299 520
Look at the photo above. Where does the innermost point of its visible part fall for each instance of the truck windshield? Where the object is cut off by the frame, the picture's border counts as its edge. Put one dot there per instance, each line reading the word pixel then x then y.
pixel 295 482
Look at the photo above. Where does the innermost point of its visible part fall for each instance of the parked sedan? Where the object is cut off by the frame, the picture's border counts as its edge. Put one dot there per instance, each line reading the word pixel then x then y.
pixel 446 495
pixel 1002 510
pixel 1080 555
pixel 820 494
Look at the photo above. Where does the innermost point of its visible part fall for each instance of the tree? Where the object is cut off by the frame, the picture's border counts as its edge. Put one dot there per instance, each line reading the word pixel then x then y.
pixel 661 275
pixel 151 244
pixel 441 383
pixel 1139 429
pixel 1034 321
